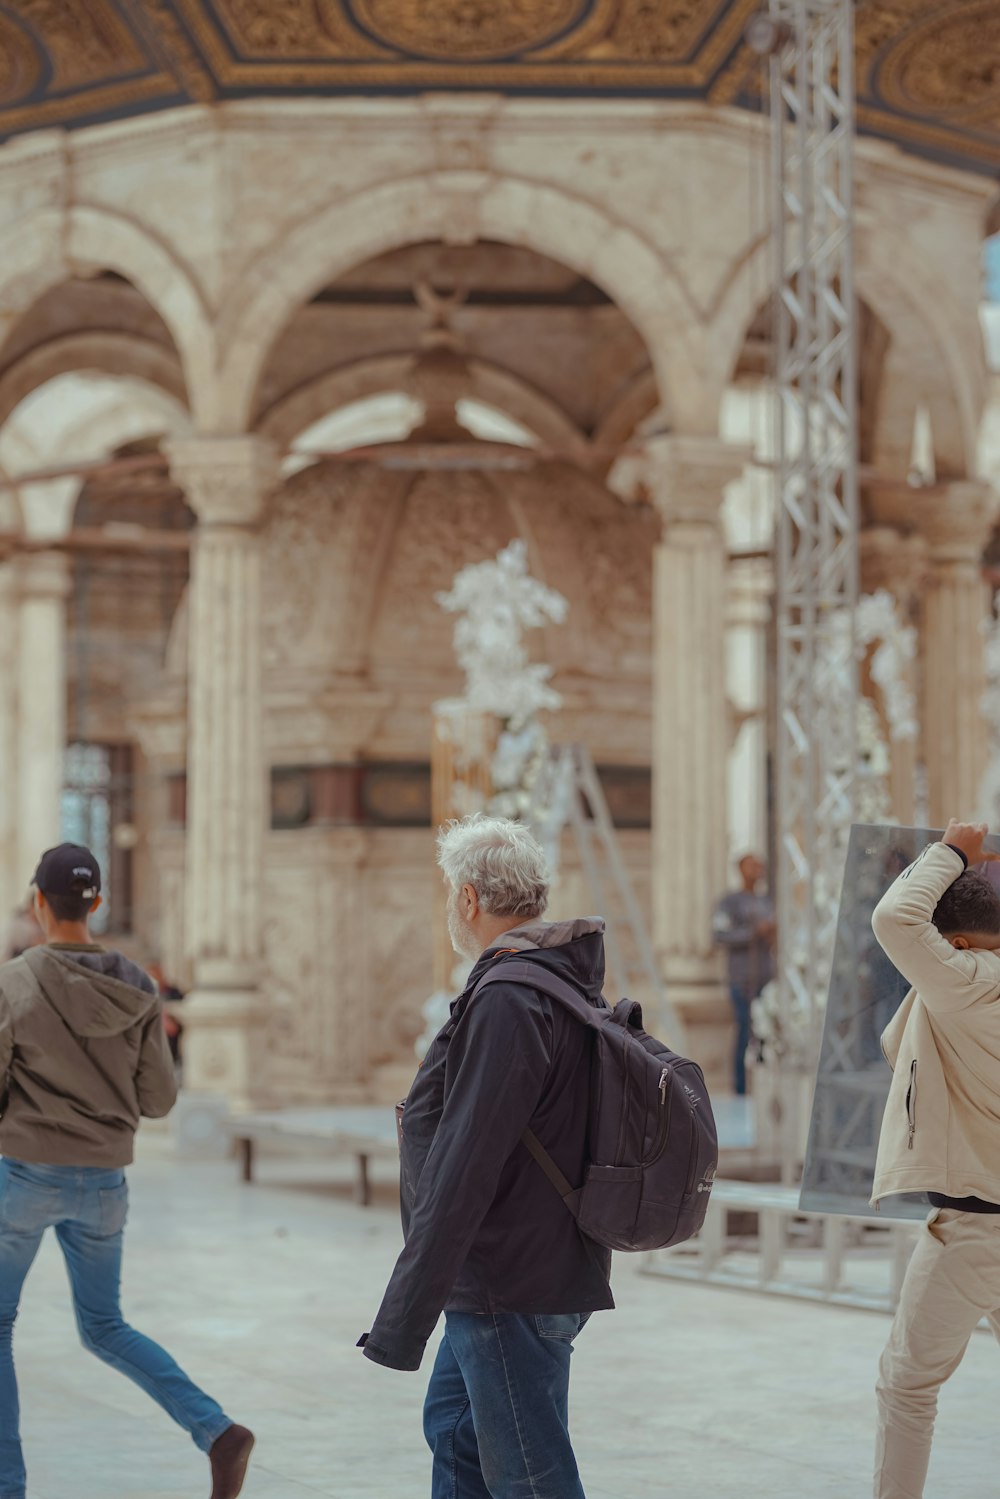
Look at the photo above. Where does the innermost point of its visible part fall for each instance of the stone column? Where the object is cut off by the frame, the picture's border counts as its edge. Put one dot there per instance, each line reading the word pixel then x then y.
pixel 687 476
pixel 43 581
pixel 954 519
pixel 897 562
pixel 749 595
pixel 226 481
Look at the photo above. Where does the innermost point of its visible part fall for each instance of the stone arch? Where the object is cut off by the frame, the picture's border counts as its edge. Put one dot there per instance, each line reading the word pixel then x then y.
pixel 39 252
pixel 123 416
pixel 906 294
pixel 11 515
pixel 512 210
pixel 490 383
pixel 620 421
pixel 918 308
pixel 109 353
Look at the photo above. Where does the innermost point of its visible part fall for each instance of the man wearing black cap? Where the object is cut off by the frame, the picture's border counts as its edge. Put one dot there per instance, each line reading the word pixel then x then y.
pixel 83 1056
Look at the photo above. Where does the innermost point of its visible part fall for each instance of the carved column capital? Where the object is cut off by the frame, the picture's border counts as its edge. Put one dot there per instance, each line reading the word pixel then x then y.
pixel 226 479
pixel 896 561
pixel 686 476
pixel 954 518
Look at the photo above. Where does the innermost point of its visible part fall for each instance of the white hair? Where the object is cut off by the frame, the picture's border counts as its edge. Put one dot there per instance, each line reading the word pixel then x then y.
pixel 502 861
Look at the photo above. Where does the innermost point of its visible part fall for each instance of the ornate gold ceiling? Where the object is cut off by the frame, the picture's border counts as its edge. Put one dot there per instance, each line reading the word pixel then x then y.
pixel 928 72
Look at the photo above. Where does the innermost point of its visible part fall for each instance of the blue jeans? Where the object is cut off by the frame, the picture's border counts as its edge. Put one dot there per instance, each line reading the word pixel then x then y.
pixel 87 1208
pixel 741 1000
pixel 496 1416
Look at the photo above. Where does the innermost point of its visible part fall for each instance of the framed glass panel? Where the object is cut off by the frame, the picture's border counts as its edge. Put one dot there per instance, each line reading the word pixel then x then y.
pixel 853 1076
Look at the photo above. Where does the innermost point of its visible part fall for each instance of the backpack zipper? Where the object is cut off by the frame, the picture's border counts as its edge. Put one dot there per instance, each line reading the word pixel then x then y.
pixel 626 1090
pixel 911 1105
pixel 663 1128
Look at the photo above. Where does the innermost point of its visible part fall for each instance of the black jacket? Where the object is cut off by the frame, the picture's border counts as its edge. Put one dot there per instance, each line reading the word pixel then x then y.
pixel 485 1230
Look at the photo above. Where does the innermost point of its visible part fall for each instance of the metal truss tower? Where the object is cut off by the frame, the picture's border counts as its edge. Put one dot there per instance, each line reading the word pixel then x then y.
pixel 811 48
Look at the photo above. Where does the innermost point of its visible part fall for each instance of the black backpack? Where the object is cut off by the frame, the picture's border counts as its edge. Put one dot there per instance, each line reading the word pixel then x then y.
pixel 652 1143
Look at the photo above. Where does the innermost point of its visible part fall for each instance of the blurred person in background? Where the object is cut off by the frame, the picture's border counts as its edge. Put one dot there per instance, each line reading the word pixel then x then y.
pixel 743 925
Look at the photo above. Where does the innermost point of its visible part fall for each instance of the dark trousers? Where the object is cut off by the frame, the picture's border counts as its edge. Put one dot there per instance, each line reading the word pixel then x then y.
pixel 496 1416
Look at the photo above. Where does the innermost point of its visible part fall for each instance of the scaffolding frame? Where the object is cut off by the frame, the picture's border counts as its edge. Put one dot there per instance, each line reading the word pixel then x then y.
pixel 811 48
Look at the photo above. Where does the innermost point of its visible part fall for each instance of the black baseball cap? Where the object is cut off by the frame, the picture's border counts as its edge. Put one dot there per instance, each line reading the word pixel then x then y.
pixel 69 869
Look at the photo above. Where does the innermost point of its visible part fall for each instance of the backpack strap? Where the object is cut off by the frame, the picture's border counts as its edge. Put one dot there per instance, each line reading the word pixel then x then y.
pixel 548 1165
pixel 536 976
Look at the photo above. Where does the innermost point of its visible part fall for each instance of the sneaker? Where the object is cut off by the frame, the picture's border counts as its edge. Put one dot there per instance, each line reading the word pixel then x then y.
pixel 230 1458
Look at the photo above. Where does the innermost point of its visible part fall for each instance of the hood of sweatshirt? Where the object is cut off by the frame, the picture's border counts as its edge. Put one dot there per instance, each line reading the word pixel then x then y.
pixel 96 993
pixel 572 949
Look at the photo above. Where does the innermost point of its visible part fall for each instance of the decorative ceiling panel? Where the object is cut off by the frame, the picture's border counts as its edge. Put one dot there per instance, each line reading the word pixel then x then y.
pixel 928 72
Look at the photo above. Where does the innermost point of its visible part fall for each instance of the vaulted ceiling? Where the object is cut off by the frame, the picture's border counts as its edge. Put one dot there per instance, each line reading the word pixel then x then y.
pixel 927 71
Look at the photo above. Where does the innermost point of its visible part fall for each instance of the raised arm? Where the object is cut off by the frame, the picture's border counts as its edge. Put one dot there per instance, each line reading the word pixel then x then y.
pixel 945 977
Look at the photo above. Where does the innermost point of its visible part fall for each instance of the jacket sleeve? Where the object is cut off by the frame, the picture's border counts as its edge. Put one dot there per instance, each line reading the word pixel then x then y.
pixel 502 1049
pixel 945 978
pixel 155 1080
pixel 730 931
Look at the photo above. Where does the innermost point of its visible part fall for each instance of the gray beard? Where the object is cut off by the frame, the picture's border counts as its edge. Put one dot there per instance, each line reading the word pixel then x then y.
pixel 462 939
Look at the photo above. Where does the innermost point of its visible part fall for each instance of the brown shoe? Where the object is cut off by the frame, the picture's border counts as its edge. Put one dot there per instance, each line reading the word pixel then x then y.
pixel 230 1457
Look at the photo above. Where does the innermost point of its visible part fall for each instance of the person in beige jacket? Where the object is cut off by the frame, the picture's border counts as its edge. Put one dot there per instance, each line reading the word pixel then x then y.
pixel 939 923
pixel 83 1056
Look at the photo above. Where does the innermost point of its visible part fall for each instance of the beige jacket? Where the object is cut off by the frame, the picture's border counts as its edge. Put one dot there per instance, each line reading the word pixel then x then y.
pixel 941 1128
pixel 83 1056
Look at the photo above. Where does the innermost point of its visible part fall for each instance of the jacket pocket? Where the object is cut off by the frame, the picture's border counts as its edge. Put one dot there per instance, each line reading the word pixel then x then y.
pixel 911 1105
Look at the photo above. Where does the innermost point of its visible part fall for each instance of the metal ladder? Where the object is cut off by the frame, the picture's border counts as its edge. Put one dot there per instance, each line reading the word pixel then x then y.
pixel 568 792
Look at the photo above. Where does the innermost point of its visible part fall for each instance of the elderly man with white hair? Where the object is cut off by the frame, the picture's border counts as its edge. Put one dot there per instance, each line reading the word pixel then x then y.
pixel 488 1240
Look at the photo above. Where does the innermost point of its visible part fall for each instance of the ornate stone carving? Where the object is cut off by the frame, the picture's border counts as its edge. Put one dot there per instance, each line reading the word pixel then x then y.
pixel 280 29
pixel 686 476
pixel 925 73
pixel 187 65
pixel 948 63
pixel 652 31
pixel 20 63
pixel 466 28
pixel 955 518
pixel 85 39
pixel 225 479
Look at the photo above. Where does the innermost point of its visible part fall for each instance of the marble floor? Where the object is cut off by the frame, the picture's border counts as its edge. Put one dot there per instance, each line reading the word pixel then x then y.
pixel 262 1292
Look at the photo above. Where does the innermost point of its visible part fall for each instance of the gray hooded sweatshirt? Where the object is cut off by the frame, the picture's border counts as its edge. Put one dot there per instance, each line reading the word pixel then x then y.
pixel 83 1056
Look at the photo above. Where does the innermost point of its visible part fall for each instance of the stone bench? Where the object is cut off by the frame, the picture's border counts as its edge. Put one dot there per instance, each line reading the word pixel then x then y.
pixel 710 1257
pixel 365 1133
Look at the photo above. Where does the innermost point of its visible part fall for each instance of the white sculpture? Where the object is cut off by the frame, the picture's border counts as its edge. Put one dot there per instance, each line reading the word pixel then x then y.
pixel 497 602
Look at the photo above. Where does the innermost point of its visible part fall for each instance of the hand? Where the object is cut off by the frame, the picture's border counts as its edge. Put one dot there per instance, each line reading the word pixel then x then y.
pixel 766 929
pixel 968 836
